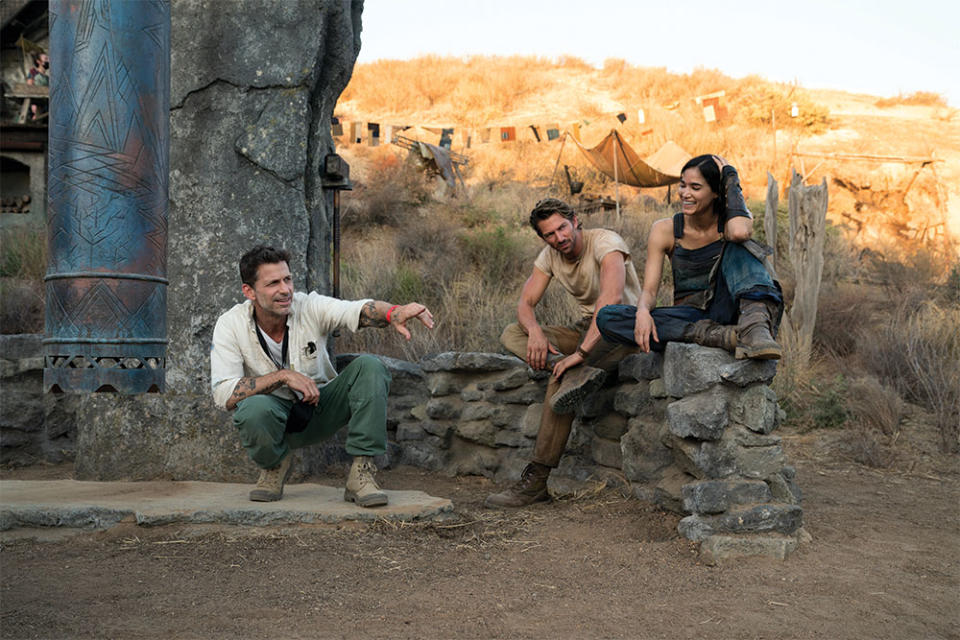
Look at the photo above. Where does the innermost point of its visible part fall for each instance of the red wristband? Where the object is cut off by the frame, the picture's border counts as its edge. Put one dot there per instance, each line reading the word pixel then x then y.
pixel 389 311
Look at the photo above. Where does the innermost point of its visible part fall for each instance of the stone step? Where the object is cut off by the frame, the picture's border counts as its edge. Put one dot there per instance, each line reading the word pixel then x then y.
pixel 73 503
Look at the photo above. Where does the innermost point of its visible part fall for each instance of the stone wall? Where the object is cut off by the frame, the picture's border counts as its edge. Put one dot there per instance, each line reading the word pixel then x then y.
pixel 34 427
pixel 690 431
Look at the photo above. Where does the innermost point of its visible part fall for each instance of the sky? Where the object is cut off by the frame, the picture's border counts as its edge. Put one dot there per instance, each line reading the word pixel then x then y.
pixel 881 47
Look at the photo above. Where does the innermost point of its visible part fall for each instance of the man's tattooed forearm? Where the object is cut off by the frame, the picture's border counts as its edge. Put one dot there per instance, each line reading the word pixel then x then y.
pixel 247 387
pixel 369 317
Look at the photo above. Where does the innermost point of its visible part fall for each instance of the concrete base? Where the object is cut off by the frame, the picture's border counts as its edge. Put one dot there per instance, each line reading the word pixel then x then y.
pixel 72 503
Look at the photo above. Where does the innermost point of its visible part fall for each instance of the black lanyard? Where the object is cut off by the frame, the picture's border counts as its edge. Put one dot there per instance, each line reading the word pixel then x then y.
pixel 266 349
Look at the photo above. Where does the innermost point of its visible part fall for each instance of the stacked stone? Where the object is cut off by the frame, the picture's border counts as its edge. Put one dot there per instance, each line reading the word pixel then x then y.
pixel 481 417
pixel 647 460
pixel 741 494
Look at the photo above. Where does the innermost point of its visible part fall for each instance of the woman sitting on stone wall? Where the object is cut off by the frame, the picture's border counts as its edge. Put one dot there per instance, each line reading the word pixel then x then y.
pixel 723 295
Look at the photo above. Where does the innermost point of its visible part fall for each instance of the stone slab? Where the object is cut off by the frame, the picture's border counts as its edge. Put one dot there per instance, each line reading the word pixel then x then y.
pixel 716 549
pixel 74 503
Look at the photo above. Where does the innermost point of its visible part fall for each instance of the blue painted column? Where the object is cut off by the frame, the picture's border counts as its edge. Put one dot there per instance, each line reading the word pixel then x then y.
pixel 106 287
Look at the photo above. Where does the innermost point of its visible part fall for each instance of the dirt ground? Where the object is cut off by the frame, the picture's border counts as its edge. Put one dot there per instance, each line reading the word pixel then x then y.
pixel 883 563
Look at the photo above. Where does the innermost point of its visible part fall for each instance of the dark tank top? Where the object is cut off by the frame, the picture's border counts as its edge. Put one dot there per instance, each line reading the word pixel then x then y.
pixel 694 270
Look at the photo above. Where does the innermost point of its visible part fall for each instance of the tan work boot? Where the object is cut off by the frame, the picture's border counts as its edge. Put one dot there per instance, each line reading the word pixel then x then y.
pixel 708 333
pixel 361 486
pixel 530 488
pixel 754 331
pixel 577 384
pixel 270 485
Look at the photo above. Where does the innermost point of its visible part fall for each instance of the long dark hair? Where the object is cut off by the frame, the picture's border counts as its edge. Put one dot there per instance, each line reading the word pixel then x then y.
pixel 711 173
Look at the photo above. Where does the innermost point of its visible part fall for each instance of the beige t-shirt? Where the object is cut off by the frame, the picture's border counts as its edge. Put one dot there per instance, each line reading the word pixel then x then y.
pixel 582 278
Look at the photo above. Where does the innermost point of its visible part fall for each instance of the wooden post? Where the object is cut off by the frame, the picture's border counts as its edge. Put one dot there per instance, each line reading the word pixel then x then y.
pixel 770 216
pixel 808 220
pixel 616 177
pixel 556 164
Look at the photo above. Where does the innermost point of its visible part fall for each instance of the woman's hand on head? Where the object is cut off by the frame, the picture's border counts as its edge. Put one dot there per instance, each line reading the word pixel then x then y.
pixel 721 163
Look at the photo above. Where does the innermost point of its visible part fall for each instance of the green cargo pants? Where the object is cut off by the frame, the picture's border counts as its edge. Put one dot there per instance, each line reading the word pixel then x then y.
pixel 356 398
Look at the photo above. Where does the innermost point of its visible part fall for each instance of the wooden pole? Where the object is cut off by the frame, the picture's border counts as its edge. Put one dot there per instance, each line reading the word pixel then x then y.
pixel 557 163
pixel 616 180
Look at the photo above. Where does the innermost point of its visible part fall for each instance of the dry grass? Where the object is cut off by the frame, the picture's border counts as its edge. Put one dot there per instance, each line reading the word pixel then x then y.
pixel 21 306
pixel 875 406
pixel 867 447
pixel 23 264
pixel 466 258
pixel 23 253
pixel 917 351
pixel 917 98
pixel 845 311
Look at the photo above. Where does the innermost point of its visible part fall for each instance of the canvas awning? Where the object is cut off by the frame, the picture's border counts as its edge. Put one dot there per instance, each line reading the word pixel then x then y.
pixel 658 170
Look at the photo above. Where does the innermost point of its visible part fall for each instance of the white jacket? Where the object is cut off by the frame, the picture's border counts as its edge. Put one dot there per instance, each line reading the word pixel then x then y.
pixel 236 352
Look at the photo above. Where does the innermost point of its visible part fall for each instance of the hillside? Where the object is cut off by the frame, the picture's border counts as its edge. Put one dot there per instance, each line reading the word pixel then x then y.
pixel 889 202
pixel 887 319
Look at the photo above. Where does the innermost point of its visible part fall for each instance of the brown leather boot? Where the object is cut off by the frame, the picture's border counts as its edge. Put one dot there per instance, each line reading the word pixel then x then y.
pixel 708 333
pixel 270 484
pixel 577 384
pixel 532 487
pixel 755 331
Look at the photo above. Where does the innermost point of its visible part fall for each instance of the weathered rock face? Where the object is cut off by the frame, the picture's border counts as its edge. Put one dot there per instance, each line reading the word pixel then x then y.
pixel 33 426
pixel 254 84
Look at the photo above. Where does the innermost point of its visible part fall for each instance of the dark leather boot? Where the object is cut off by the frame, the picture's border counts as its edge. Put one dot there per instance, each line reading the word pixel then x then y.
pixel 532 487
pixel 708 333
pixel 755 331
pixel 576 385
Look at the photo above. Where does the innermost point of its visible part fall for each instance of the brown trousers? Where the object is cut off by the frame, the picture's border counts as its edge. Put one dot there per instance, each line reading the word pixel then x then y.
pixel 554 427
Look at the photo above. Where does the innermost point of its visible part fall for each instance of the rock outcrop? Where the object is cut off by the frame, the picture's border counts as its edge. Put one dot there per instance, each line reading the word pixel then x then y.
pixel 253 89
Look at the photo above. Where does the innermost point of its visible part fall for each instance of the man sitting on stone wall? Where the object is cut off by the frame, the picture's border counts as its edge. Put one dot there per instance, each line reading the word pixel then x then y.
pixel 594 266
pixel 269 364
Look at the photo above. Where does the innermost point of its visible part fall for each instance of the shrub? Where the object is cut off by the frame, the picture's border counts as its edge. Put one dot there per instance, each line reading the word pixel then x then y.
pixel 919 98
pixel 21 306
pixel 23 264
pixel 757 101
pixel 917 351
pixel 875 406
pixel 844 312
pixel 394 188
pixel 496 254
pixel 867 447
pixel 23 253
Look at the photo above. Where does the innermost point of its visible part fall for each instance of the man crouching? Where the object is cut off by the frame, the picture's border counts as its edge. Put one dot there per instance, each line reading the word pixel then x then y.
pixel 269 364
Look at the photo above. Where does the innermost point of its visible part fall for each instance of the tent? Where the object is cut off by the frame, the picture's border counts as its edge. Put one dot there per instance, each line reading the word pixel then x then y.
pixel 614 157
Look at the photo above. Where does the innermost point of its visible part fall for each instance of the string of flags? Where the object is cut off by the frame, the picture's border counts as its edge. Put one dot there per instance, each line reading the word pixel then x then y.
pixel 373 133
